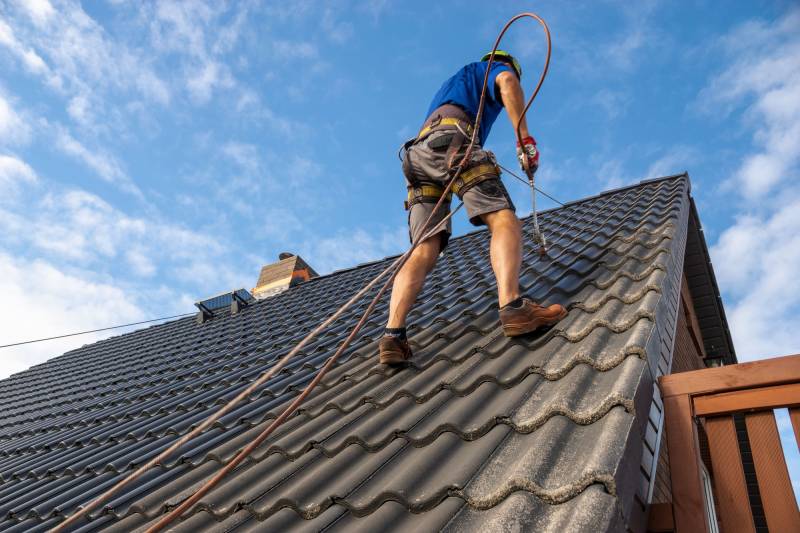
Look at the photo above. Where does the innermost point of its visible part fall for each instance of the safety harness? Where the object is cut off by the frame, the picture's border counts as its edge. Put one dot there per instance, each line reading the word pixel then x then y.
pixel 428 192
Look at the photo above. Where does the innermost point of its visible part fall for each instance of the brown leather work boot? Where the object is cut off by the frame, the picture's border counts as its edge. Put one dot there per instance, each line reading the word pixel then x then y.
pixel 529 317
pixel 393 350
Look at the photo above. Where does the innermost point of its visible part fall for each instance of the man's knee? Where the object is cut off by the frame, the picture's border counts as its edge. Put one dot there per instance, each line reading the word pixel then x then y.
pixel 430 248
pixel 502 219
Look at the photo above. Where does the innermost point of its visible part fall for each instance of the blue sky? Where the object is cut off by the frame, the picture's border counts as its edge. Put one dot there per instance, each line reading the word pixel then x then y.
pixel 152 154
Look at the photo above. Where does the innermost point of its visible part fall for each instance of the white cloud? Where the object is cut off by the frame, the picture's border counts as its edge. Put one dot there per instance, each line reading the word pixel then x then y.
pixel 76 58
pixel 202 82
pixel 766 78
pixel 228 36
pixel 243 154
pixel 623 48
pixel 78 109
pixel 756 261
pixel 678 159
pixel 40 11
pixel 248 100
pixel 151 86
pixel 13 174
pixel 32 61
pixel 612 174
pixel 195 31
pixel 349 248
pixel 13 129
pixel 74 227
pixel 623 53
pixel 179 26
pixel 138 259
pixel 40 300
pixel 638 35
pixel 105 165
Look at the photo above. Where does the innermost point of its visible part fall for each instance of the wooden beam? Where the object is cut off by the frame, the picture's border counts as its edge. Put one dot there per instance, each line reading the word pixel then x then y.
pixel 761 398
pixel 688 504
pixel 794 414
pixel 762 373
pixel 729 483
pixel 776 491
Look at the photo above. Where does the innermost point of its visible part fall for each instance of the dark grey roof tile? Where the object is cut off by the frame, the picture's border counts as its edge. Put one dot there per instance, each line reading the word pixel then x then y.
pixel 398 515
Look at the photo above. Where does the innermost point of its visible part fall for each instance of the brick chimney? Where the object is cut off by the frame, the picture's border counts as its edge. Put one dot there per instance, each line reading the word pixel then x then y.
pixel 289 271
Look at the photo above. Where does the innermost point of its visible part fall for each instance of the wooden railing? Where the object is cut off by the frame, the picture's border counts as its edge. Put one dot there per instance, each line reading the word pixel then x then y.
pixel 711 397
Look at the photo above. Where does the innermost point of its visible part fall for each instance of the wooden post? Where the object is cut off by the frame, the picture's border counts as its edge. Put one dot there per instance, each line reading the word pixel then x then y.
pixel 688 504
pixel 776 491
pixel 729 482
pixel 794 414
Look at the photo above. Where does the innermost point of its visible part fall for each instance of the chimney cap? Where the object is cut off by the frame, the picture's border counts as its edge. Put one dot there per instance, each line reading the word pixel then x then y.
pixel 285 255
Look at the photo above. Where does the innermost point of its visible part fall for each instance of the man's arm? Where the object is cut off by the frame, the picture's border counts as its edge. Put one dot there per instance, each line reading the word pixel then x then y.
pixel 513 100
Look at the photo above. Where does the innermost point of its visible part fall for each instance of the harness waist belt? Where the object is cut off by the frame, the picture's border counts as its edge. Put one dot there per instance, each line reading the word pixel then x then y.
pixel 447 121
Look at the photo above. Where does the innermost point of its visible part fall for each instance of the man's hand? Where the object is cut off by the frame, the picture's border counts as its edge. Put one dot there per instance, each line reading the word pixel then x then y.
pixel 527 153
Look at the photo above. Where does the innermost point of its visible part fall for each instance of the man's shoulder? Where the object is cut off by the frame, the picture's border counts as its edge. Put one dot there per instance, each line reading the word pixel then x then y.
pixel 479 67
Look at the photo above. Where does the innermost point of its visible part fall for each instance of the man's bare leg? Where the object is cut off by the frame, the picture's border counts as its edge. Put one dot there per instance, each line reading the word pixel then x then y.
pixel 505 252
pixel 410 279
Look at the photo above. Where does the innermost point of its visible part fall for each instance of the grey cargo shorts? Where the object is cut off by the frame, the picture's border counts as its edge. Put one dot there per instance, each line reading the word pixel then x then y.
pixel 424 165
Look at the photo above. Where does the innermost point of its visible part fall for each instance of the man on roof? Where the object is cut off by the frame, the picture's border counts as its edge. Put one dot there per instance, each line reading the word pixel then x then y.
pixel 428 162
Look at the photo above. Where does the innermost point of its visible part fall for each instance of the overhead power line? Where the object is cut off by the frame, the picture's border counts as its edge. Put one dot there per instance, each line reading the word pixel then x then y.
pixel 95 330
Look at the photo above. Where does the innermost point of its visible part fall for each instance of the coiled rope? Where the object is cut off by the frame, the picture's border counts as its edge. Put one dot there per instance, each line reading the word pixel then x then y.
pixel 391 271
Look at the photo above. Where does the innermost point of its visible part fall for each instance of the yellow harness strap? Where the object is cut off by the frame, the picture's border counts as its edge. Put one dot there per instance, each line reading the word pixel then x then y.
pixel 425 193
pixel 473 176
pixel 470 177
pixel 450 121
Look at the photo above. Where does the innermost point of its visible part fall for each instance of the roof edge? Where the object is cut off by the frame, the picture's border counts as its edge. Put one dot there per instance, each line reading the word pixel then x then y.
pixel 712 281
pixel 608 192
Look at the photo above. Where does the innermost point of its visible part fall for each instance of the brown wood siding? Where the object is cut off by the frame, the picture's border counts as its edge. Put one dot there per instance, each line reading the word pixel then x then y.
pixel 662 492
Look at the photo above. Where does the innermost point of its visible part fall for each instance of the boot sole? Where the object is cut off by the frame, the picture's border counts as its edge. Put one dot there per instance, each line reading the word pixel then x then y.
pixel 515 330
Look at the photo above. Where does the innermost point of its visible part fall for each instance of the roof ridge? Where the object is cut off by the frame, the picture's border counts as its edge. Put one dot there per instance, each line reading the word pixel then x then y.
pixel 570 203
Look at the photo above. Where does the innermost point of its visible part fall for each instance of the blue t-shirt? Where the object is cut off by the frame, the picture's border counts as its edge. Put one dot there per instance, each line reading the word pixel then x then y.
pixel 464 89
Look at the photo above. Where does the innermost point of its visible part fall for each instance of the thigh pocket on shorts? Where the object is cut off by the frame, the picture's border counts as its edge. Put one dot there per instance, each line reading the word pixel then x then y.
pixel 440 143
pixel 492 188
